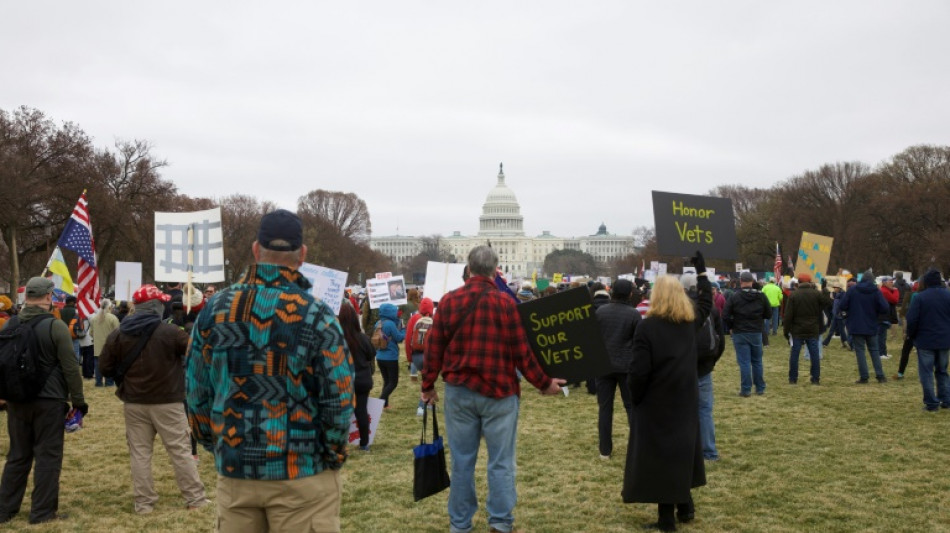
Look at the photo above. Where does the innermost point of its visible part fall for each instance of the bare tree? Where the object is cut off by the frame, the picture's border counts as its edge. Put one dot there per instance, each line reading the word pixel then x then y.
pixel 345 212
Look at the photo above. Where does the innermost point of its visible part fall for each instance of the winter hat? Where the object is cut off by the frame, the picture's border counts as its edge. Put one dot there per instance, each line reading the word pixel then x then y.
pixel 868 275
pixel 932 278
pixel 746 277
pixel 149 292
pixel 621 289
pixel 804 278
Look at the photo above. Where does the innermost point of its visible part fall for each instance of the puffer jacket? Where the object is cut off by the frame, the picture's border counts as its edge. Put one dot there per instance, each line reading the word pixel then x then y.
pixel 157 376
pixel 618 321
pixel 862 305
pixel 388 316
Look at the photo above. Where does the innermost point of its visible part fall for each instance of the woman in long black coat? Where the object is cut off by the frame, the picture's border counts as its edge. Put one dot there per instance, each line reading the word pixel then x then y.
pixel 664 455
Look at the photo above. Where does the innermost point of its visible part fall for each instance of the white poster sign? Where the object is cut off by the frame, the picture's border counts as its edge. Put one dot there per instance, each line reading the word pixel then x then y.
pixel 738 267
pixel 128 278
pixel 711 273
pixel 661 269
pixel 176 255
pixel 655 266
pixel 689 270
pixel 442 278
pixel 374 406
pixel 384 275
pixel 650 275
pixel 328 285
pixel 391 290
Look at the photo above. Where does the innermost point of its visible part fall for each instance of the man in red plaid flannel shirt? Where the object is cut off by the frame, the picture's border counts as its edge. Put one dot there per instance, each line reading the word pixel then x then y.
pixel 477 342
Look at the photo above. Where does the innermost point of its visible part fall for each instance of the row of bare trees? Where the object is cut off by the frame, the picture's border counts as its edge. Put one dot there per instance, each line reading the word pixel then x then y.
pixel 891 217
pixel 44 167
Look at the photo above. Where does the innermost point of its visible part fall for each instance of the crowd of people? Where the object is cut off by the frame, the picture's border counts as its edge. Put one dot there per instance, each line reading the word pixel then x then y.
pixel 266 377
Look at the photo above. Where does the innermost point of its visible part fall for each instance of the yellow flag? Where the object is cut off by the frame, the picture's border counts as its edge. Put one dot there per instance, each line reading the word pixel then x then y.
pixel 61 278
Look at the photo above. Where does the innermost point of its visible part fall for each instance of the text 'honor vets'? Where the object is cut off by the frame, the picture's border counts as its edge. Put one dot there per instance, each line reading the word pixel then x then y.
pixel 686 223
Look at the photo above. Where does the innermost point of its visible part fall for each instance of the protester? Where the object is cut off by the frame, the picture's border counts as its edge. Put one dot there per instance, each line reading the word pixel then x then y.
pixel 526 294
pixel 152 392
pixel 774 293
pixel 67 314
pixel 363 354
pixel 477 343
pixel 837 326
pixel 908 342
pixel 87 350
pixel 744 314
pixel 406 312
pixel 928 325
pixel 103 324
pixel 388 358
pixel 664 454
pixel 265 349
pixel 618 321
pixel 416 334
pixel 892 297
pixel 710 344
pixel 804 312
pixel 863 304
pixel 35 428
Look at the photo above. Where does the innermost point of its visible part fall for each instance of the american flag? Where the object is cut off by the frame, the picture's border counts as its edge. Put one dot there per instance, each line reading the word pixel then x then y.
pixel 77 236
pixel 778 264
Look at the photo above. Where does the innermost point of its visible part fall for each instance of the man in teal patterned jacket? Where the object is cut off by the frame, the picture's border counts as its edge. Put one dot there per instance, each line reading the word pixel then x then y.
pixel 270 391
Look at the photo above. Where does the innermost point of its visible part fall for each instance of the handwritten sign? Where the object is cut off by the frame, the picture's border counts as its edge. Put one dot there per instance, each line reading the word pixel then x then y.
pixel 128 278
pixel 686 223
pixel 374 407
pixel 813 256
pixel 189 242
pixel 328 285
pixel 387 290
pixel 565 336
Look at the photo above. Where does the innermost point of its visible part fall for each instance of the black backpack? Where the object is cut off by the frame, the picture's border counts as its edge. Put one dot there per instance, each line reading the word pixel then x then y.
pixel 22 375
pixel 707 339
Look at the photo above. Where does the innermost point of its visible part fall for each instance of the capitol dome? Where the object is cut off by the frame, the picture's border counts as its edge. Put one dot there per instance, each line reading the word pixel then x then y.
pixel 501 214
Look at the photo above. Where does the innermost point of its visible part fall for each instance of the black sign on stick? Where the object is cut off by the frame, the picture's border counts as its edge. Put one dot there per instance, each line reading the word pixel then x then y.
pixel 565 336
pixel 686 223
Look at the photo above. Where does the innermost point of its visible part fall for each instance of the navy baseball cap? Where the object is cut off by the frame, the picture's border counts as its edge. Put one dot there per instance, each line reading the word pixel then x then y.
pixel 281 231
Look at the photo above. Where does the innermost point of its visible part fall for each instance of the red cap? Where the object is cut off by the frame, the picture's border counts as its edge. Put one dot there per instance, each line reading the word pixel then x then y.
pixel 149 292
pixel 804 278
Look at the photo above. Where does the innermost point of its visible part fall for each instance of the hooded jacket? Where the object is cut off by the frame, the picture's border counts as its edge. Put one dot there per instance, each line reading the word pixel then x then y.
pixel 862 304
pixel 157 376
pixel 928 319
pixel 426 308
pixel 745 310
pixel 56 352
pixel 388 315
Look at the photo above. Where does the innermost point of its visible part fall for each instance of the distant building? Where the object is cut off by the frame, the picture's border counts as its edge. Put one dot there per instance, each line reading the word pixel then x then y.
pixel 501 223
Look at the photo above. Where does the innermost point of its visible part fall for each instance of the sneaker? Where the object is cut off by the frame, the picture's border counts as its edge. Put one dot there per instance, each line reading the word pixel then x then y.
pixel 420 411
pixel 898 376
pixel 745 394
pixel 760 393
pixel 885 356
pixel 815 382
pixel 364 448
pixel 198 505
pixel 862 381
pixel 604 457
pixel 882 379
pixel 931 409
pixel 793 382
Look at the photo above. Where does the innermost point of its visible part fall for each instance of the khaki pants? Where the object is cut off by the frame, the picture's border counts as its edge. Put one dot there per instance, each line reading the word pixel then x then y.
pixel 142 422
pixel 309 504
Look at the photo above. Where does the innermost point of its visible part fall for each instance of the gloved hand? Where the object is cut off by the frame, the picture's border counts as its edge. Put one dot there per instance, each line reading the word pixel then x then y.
pixel 824 283
pixel 82 408
pixel 699 262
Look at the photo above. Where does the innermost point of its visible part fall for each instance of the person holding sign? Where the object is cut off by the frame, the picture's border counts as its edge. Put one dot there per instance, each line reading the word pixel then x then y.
pixel 477 343
pixel 664 454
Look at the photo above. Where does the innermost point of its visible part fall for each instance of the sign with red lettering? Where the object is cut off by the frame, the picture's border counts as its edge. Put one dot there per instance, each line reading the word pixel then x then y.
pixel 565 336
pixel 686 223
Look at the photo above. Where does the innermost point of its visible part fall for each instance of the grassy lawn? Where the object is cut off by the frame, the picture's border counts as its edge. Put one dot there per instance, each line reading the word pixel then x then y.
pixel 837 457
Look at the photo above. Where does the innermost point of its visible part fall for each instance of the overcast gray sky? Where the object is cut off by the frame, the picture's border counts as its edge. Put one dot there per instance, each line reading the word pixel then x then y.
pixel 412 105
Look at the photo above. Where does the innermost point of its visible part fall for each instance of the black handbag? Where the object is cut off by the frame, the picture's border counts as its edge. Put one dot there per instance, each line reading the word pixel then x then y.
pixel 431 475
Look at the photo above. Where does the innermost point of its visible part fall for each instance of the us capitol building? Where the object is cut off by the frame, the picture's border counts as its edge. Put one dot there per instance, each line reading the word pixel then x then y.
pixel 502 224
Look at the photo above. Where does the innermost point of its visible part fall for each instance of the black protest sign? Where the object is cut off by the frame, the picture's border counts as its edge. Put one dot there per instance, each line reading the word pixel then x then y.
pixel 565 336
pixel 686 223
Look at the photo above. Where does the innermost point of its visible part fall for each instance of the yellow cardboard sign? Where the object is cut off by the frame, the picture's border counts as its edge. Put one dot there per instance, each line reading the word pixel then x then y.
pixel 813 255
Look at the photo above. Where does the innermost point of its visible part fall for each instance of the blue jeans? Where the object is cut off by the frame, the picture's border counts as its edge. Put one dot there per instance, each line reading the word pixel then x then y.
pixel 109 382
pixel 76 351
pixel 469 417
pixel 415 367
pixel 882 329
pixel 814 358
pixel 931 364
pixel 748 348
pixel 871 341
pixel 775 319
pixel 707 430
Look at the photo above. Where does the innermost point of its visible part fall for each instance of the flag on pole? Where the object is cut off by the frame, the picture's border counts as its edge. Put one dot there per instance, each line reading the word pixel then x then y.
pixel 77 236
pixel 778 263
pixel 789 263
pixel 61 277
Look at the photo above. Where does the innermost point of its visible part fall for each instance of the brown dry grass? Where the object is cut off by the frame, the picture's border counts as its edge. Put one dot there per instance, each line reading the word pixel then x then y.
pixel 839 457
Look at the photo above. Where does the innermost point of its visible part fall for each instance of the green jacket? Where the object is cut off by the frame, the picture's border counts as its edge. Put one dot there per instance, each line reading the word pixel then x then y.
pixel 56 344
pixel 774 293
pixel 803 311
